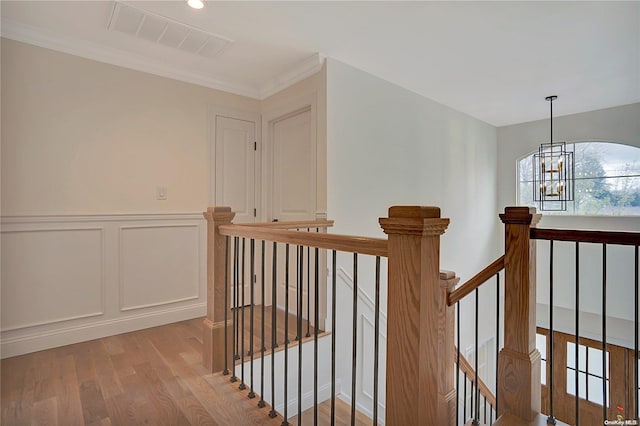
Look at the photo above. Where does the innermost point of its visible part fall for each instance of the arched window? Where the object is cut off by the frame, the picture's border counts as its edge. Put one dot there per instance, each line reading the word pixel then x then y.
pixel 607 180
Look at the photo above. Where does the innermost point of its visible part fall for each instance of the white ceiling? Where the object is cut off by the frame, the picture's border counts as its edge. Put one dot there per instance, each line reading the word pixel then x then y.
pixel 495 61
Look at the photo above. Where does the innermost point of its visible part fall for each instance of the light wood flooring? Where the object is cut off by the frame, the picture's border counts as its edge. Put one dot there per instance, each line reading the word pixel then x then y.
pixel 153 377
pixel 292 328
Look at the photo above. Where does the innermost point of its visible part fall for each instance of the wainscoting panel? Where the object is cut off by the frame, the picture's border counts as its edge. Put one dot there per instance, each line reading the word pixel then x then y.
pixel 365 348
pixel 67 279
pixel 153 272
pixel 41 286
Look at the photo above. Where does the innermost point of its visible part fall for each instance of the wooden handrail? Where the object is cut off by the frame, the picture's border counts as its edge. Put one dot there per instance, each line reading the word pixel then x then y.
pixel 466 367
pixel 348 243
pixel 476 281
pixel 605 237
pixel 294 224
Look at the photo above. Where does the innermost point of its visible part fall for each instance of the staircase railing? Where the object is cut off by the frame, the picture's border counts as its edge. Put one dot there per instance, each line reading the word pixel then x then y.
pixel 598 382
pixel 422 307
pixel 418 385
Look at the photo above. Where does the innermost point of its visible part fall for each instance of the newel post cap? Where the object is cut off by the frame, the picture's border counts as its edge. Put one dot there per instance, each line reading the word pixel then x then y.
pixel 414 220
pixel 519 216
pixel 219 214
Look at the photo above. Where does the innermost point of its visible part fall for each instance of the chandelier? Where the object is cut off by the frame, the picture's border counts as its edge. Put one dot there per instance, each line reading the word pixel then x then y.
pixel 553 172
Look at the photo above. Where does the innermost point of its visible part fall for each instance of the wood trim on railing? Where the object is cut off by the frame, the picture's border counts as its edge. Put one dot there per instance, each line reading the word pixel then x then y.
pixel 348 243
pixel 605 237
pixel 466 367
pixel 294 224
pixel 476 281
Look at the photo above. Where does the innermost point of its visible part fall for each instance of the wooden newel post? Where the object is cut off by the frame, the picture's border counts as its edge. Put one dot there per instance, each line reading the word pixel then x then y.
pixel 214 328
pixel 519 360
pixel 420 327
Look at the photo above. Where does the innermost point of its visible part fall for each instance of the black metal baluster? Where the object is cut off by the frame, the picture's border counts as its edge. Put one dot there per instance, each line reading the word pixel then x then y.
pixel 236 255
pixel 604 332
pixel 333 339
pixel 635 389
pixel 497 335
pixel 457 363
pixel 261 403
pixel 577 382
pixel 464 404
pixel 476 393
pixel 274 344
pixel 252 254
pixel 242 386
pixel 298 283
pixel 300 280
pixel 485 409
pixel 355 339
pixel 316 321
pixel 551 419
pixel 285 421
pixel 308 289
pixel 226 306
pixel 376 343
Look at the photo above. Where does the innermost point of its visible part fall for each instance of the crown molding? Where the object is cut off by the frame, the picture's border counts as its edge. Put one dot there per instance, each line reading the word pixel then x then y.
pixel 85 49
pixel 298 72
pixel 36 36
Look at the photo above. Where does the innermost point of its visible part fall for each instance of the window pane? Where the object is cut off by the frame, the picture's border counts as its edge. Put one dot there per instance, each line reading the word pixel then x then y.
pixel 582 383
pixel 571 355
pixel 595 390
pixel 541 345
pixel 595 362
pixel 543 372
pixel 571 383
pixel 582 358
pixel 607 179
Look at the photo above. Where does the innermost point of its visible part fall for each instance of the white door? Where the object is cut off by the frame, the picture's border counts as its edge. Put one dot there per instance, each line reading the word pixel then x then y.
pixel 235 182
pixel 293 193
pixel 294 167
pixel 235 167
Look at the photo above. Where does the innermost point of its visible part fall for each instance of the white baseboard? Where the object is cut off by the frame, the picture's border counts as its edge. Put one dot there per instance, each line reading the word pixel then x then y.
pixel 26 343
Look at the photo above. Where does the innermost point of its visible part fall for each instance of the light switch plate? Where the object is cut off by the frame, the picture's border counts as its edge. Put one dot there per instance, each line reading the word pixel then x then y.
pixel 161 193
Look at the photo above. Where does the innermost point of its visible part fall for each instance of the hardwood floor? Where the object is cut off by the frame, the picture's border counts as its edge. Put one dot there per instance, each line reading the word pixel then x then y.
pixel 153 376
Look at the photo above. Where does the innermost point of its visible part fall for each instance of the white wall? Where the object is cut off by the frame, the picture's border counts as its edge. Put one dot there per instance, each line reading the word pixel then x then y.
pixel 87 249
pixel 388 146
pixel 84 137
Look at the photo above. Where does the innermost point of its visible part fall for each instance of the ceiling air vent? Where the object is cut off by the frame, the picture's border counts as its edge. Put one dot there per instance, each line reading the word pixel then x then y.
pixel 158 29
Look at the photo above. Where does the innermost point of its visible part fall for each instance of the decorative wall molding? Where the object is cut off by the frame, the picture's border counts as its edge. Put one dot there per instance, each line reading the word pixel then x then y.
pixel 61 266
pixel 97 52
pixel 362 295
pixel 38 37
pixel 115 217
pixel 298 72
pixel 122 279
pixel 40 266
pixel 366 334
pixel 18 344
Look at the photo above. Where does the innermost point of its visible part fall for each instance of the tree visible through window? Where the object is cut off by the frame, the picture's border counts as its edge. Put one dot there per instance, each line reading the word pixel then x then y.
pixel 607 179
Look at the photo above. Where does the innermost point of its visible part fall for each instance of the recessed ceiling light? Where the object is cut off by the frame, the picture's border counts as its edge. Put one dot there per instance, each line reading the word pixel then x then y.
pixel 196 4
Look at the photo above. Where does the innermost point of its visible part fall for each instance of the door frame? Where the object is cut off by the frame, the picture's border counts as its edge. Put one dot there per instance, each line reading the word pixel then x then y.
pixel 215 111
pixel 282 111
